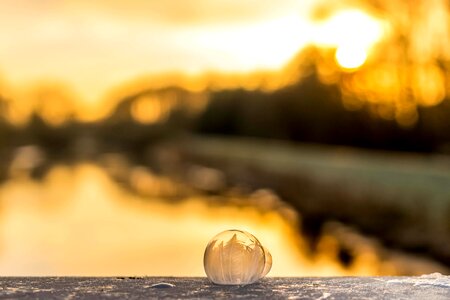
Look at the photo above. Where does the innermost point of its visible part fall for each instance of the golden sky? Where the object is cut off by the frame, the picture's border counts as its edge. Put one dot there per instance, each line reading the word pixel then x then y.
pixel 96 44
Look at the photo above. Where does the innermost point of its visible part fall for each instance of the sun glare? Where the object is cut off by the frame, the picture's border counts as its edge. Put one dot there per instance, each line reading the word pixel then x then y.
pixel 264 45
pixel 353 33
pixel 350 58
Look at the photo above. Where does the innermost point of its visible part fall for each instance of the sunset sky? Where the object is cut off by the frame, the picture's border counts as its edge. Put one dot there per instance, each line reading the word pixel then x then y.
pixel 94 45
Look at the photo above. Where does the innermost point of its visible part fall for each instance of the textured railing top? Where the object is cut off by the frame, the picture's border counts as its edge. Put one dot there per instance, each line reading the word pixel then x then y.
pixel 434 286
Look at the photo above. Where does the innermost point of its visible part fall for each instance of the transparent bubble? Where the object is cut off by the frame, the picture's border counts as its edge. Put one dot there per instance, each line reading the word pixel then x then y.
pixel 236 257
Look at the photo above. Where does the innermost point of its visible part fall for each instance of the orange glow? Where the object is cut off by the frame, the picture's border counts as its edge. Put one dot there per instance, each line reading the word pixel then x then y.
pixel 147 110
pixel 407 68
pixel 429 85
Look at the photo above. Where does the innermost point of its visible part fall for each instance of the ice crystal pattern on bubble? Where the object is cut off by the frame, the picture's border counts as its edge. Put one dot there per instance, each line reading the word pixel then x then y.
pixel 236 257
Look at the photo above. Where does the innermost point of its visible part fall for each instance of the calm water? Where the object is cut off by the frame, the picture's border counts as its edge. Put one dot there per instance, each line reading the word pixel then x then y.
pixel 78 220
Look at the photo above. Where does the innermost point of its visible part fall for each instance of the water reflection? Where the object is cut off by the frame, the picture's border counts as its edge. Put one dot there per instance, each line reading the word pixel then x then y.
pixel 78 221
pixel 116 218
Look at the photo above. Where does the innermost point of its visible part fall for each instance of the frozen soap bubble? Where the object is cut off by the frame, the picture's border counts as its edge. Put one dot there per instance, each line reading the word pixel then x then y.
pixel 236 257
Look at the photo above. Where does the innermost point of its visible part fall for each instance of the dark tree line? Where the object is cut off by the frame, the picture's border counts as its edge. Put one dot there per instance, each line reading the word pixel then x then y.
pixel 310 111
pixel 306 111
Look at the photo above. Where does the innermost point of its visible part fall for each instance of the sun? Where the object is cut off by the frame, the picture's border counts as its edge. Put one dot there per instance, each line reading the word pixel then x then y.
pixel 350 57
pixel 353 33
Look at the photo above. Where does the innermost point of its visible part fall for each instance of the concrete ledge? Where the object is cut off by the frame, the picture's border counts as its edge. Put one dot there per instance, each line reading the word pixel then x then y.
pixel 434 286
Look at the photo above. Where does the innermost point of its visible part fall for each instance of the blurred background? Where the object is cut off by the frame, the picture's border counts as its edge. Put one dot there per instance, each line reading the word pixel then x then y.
pixel 131 132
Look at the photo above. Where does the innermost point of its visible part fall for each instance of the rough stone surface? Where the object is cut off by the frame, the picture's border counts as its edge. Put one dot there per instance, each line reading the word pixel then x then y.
pixel 424 287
